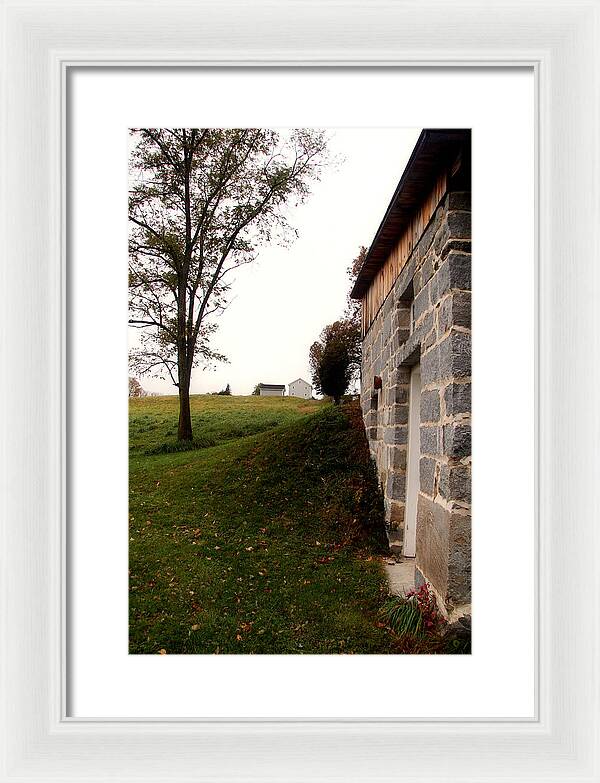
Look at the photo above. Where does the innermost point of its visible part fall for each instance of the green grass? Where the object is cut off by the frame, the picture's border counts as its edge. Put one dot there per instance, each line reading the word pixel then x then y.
pixel 215 419
pixel 263 538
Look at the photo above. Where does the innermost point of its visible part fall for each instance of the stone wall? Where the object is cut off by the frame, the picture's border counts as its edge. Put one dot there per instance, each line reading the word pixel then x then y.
pixel 426 318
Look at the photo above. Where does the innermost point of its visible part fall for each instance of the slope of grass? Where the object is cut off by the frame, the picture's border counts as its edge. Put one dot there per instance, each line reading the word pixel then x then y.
pixel 153 420
pixel 263 543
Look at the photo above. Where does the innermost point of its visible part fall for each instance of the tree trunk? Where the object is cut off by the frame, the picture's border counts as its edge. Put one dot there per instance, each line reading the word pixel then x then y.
pixel 184 429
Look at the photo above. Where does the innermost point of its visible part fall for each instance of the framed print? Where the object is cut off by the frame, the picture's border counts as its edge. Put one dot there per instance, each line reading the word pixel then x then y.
pixel 300 564
pixel 263 588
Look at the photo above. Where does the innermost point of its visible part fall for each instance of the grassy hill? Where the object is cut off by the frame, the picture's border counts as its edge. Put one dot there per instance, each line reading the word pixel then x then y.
pixel 262 538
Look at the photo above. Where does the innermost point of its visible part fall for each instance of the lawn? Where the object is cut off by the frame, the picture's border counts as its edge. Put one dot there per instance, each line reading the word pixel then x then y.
pixel 263 538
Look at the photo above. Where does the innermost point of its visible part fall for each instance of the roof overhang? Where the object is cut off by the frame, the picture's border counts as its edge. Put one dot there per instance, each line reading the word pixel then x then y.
pixel 434 150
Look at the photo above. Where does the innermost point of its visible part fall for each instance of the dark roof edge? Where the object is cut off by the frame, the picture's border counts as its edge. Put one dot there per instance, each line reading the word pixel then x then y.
pixel 441 142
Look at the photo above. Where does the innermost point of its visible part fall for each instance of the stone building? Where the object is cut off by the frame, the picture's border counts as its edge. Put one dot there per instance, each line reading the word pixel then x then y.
pixel 415 289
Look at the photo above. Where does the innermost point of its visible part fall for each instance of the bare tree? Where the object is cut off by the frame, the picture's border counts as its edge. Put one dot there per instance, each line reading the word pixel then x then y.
pixel 135 388
pixel 202 201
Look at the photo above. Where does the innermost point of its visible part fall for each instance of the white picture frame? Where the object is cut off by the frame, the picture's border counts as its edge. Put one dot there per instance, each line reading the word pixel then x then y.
pixel 40 42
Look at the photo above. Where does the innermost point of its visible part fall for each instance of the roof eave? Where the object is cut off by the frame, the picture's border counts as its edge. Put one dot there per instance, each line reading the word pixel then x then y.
pixel 434 150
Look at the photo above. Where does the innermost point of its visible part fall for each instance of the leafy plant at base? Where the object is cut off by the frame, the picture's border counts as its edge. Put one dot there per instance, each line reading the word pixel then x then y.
pixel 414 614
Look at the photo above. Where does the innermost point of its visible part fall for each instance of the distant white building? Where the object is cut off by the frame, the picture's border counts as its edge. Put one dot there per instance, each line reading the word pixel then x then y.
pixel 300 388
pixel 271 390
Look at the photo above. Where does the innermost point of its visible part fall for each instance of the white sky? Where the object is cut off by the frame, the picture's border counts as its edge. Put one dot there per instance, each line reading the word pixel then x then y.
pixel 280 304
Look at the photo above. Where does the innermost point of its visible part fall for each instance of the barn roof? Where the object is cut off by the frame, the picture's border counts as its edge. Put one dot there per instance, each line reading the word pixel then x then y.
pixel 271 386
pixel 434 150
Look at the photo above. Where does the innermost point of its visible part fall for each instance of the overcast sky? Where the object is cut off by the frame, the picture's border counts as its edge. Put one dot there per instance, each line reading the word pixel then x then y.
pixel 280 304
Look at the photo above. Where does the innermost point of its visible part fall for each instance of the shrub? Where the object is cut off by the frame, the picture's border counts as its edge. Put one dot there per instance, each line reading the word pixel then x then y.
pixel 414 614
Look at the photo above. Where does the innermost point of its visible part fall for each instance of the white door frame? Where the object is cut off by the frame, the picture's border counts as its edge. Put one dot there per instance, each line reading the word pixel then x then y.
pixel 412 463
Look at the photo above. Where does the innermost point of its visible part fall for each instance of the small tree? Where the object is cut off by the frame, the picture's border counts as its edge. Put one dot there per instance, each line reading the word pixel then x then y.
pixel 135 388
pixel 226 391
pixel 256 391
pixel 334 358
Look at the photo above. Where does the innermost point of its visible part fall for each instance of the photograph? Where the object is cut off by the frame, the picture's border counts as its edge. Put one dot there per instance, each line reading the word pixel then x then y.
pixel 299 387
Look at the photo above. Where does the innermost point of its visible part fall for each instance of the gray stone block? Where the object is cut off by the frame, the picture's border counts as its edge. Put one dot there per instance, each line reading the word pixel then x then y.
pixel 432 542
pixel 399 338
pixel 397 457
pixel 455 482
pixel 401 317
pixel 459 559
pixel 430 405
pixel 388 306
pixel 395 487
pixel 417 281
pixel 377 344
pixel 459 199
pixel 459 225
pixel 427 475
pixel 457 440
pixel 455 310
pixel 396 435
pixel 457 398
pixel 430 440
pixel 396 394
pixel 442 236
pixel 453 273
pixel 422 303
pixel 430 366
pixel 455 355
pixel 404 280
pixel 403 375
pixel 427 269
pixel 385 357
pixel 426 240
pixel 428 340
pixel 399 414
pixel 387 330
pixel 426 324
pixel 459 245
pixel 408 354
